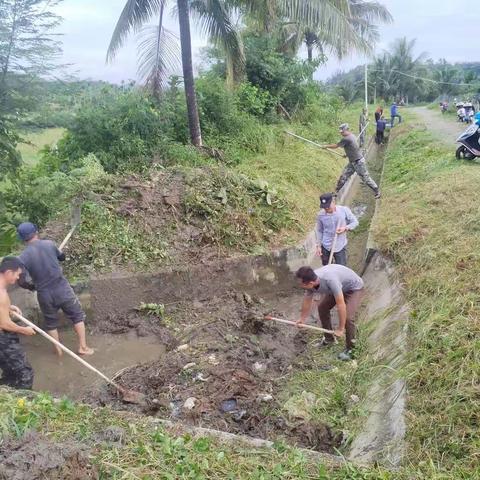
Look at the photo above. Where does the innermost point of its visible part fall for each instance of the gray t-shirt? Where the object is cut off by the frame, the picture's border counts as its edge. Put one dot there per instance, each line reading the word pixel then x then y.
pixel 335 279
pixel 41 259
pixel 349 143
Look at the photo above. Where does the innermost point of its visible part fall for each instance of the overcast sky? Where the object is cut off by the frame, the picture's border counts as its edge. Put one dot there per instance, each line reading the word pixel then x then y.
pixel 443 29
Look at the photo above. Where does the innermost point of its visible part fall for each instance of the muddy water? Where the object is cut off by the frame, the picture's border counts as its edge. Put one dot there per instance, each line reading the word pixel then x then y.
pixel 65 376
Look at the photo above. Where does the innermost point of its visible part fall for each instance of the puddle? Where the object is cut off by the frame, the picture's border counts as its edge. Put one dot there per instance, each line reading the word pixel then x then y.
pixel 65 376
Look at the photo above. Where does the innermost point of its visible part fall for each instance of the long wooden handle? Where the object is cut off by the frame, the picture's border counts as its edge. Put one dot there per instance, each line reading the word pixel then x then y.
pixel 67 238
pixel 289 322
pixel 332 250
pixel 314 143
pixel 67 351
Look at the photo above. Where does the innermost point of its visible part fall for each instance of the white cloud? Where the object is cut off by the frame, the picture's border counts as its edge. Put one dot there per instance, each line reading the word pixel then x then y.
pixel 442 29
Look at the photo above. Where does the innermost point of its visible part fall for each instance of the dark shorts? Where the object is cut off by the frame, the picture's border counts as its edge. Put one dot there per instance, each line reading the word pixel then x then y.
pixel 16 371
pixel 59 296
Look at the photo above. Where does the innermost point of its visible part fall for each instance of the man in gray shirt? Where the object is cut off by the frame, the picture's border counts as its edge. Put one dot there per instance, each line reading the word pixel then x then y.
pixel 356 162
pixel 329 286
pixel 333 219
pixel 41 259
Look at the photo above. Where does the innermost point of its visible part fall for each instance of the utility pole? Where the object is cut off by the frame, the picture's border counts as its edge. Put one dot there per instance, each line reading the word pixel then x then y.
pixel 366 88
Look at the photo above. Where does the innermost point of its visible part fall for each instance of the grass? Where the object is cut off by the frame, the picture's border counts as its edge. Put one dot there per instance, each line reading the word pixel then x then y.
pixel 37 139
pixel 429 224
pixel 150 452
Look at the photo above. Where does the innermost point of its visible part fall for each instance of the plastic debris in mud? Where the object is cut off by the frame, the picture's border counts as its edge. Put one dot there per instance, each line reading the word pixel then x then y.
pixel 190 403
pixel 229 405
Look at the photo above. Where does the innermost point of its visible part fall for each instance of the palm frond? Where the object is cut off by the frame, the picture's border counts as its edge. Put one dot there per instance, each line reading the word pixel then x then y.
pixel 215 19
pixel 158 56
pixel 134 15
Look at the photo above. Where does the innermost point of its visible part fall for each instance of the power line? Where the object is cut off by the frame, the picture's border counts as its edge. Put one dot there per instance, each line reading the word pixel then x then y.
pixel 425 79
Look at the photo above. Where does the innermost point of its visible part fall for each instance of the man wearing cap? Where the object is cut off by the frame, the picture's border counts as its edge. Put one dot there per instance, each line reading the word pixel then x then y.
pixel 41 259
pixel 333 219
pixel 356 162
pixel 16 371
pixel 330 286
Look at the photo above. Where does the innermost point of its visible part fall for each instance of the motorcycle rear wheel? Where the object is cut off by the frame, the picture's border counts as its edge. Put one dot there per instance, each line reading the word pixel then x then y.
pixel 463 154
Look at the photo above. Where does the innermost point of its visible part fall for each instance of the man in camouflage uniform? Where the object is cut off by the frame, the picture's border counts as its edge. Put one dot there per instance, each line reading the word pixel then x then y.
pixel 356 162
pixel 16 371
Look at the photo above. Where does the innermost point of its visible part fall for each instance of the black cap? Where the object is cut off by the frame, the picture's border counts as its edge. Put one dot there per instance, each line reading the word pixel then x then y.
pixel 326 199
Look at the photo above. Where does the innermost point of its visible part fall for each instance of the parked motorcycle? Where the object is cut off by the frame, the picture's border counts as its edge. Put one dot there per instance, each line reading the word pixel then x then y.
pixel 469 142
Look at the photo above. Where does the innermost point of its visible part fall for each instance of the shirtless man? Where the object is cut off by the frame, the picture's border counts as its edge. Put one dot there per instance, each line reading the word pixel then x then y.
pixel 41 259
pixel 16 371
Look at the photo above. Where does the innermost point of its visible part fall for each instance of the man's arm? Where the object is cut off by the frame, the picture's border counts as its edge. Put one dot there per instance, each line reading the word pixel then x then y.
pixel 342 314
pixel 306 308
pixel 6 323
pixel 24 283
pixel 352 221
pixel 59 253
pixel 319 233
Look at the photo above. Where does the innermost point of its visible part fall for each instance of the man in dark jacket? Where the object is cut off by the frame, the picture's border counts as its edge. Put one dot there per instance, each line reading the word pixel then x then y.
pixel 41 259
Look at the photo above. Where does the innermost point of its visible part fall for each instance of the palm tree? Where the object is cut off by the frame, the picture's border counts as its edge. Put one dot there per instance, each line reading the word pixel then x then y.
pixel 134 16
pixel 398 70
pixel 188 79
pixel 361 17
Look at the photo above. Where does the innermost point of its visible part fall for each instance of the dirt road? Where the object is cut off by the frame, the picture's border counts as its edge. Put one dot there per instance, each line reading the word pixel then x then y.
pixel 443 126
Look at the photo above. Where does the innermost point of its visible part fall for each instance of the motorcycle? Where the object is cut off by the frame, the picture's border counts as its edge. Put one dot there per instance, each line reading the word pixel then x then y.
pixel 469 142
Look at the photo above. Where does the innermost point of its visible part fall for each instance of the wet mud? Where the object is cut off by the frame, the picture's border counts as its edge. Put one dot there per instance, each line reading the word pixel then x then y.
pixel 227 372
pixel 34 457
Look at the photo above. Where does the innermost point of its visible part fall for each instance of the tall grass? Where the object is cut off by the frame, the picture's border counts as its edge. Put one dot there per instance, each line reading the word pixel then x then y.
pixel 430 224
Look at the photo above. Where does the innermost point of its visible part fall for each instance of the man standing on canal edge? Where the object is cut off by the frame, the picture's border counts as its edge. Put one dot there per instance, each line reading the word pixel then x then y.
pixel 356 162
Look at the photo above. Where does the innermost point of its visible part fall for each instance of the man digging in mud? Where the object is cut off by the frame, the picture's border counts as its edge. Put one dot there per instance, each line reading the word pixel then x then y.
pixel 41 259
pixel 329 286
pixel 333 219
pixel 16 371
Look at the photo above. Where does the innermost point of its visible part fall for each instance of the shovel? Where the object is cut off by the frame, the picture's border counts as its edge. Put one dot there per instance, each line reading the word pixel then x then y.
pixel 74 222
pixel 129 396
pixel 332 250
pixel 289 322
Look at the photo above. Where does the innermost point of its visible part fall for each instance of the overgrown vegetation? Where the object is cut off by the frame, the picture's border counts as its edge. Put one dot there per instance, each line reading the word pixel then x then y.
pixel 149 451
pixel 428 225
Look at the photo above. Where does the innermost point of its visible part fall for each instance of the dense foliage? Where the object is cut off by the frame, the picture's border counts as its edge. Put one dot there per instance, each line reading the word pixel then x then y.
pixel 401 73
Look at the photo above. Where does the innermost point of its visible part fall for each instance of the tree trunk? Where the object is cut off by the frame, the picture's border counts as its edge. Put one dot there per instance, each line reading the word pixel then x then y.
pixel 188 80
pixel 310 52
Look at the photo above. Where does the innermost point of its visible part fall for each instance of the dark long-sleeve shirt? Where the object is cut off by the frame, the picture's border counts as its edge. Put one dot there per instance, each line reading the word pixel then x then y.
pixel 41 259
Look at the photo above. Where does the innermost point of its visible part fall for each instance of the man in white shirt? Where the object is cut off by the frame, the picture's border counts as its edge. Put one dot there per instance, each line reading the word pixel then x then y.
pixel 333 218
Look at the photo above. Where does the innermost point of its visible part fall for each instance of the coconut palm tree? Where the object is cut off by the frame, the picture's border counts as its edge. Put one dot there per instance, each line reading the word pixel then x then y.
pixel 215 19
pixel 362 16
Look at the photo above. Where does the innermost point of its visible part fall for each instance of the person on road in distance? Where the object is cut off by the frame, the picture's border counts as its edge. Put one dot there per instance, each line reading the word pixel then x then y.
pixel 394 114
pixel 330 216
pixel 41 259
pixel 329 286
pixel 16 371
pixel 378 113
pixel 380 133
pixel 356 162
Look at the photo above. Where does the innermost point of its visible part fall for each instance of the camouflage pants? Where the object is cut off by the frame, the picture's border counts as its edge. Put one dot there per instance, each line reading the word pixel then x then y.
pixel 360 166
pixel 16 371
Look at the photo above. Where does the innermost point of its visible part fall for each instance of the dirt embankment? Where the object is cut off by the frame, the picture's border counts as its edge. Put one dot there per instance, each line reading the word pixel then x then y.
pixel 227 373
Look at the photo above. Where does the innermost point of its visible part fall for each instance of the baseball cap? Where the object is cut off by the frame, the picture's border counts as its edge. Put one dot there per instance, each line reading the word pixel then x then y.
pixel 326 199
pixel 26 231
pixel 343 127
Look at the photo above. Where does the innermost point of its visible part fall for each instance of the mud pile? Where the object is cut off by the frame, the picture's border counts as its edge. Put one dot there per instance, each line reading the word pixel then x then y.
pixel 227 373
pixel 35 457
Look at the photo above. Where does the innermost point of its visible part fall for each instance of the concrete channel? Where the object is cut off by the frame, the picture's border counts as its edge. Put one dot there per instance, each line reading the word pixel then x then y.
pixel 385 315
